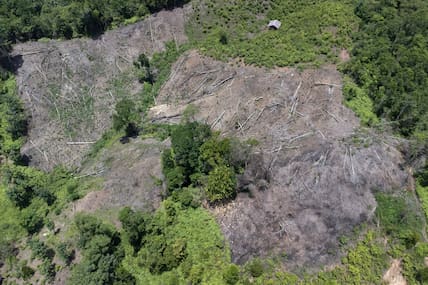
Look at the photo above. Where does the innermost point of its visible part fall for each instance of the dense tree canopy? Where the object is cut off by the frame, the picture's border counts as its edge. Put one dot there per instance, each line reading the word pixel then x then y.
pixel 390 60
pixel 22 20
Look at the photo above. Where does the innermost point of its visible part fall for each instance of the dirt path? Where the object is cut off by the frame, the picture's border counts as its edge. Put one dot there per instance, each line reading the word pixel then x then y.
pixel 393 276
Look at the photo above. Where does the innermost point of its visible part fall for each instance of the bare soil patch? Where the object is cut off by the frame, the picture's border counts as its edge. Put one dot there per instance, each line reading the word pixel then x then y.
pixel 69 88
pixel 131 176
pixel 393 276
pixel 311 177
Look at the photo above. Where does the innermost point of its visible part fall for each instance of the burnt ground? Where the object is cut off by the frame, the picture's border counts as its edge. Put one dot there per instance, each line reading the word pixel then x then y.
pixel 70 87
pixel 312 177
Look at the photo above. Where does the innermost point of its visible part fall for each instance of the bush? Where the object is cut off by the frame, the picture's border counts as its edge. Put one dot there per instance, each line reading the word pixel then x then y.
pixel 188 197
pixel 256 268
pixel 41 250
pixel 33 217
pixel 47 268
pixel 221 184
pixel 24 184
pixel 186 141
pixel 231 275
pixel 126 117
pixel 26 272
pixel 65 252
pixel 135 226
pixel 399 219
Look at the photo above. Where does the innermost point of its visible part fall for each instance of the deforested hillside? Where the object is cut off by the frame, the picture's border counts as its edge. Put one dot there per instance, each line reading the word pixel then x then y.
pixel 311 176
pixel 188 142
pixel 70 87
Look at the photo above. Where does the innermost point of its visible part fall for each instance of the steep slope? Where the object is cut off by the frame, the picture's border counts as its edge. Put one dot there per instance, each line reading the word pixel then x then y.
pixel 311 179
pixel 70 87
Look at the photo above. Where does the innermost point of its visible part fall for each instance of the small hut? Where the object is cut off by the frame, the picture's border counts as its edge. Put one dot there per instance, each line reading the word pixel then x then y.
pixel 274 24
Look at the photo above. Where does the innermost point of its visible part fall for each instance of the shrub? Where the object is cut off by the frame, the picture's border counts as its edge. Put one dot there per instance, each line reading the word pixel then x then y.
pixel 231 275
pixel 126 117
pixel 41 250
pixel 32 218
pixel 221 184
pixel 256 268
pixel 26 272
pixel 65 252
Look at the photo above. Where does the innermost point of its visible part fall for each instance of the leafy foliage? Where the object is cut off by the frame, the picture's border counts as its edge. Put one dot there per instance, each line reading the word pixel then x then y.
pixel 180 245
pixel 358 101
pixel 390 58
pixel 221 184
pixel 126 117
pixel 13 124
pixel 102 254
pixel 399 219
pixel 24 184
pixel 311 32
pixel 25 19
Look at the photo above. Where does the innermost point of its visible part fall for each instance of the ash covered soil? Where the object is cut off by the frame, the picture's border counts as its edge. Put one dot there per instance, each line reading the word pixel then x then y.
pixel 312 177
pixel 69 88
pixel 309 181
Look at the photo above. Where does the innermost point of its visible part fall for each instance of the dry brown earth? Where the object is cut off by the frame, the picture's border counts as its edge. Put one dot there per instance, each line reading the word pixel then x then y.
pixel 69 87
pixel 312 175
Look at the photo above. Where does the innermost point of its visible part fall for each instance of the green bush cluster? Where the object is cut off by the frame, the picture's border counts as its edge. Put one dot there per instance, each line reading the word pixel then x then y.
pixel 13 123
pixel 46 254
pixel 399 219
pixel 102 254
pixel 199 157
pixel 175 245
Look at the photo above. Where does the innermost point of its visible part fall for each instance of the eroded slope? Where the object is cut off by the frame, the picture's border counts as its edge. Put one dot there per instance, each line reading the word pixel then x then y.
pixel 313 174
pixel 70 87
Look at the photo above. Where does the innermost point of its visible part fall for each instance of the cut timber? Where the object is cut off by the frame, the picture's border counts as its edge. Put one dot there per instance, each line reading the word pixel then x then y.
pixel 218 119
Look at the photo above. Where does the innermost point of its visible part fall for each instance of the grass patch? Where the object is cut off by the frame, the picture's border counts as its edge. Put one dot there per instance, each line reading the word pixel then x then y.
pixel 107 139
pixel 399 218
pixel 358 101
pixel 423 196
pixel 160 64
pixel 311 33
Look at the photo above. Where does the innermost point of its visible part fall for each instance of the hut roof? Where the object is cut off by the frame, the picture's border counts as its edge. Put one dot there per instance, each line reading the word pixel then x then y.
pixel 274 24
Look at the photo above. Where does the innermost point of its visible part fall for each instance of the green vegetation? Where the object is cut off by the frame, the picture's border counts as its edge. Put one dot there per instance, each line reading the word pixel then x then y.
pixel 422 190
pixel 400 219
pixel 199 157
pixel 126 117
pixel 13 124
pixel 155 72
pixel 102 254
pixel 389 61
pixel 176 243
pixel 358 101
pixel 311 33
pixel 25 19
